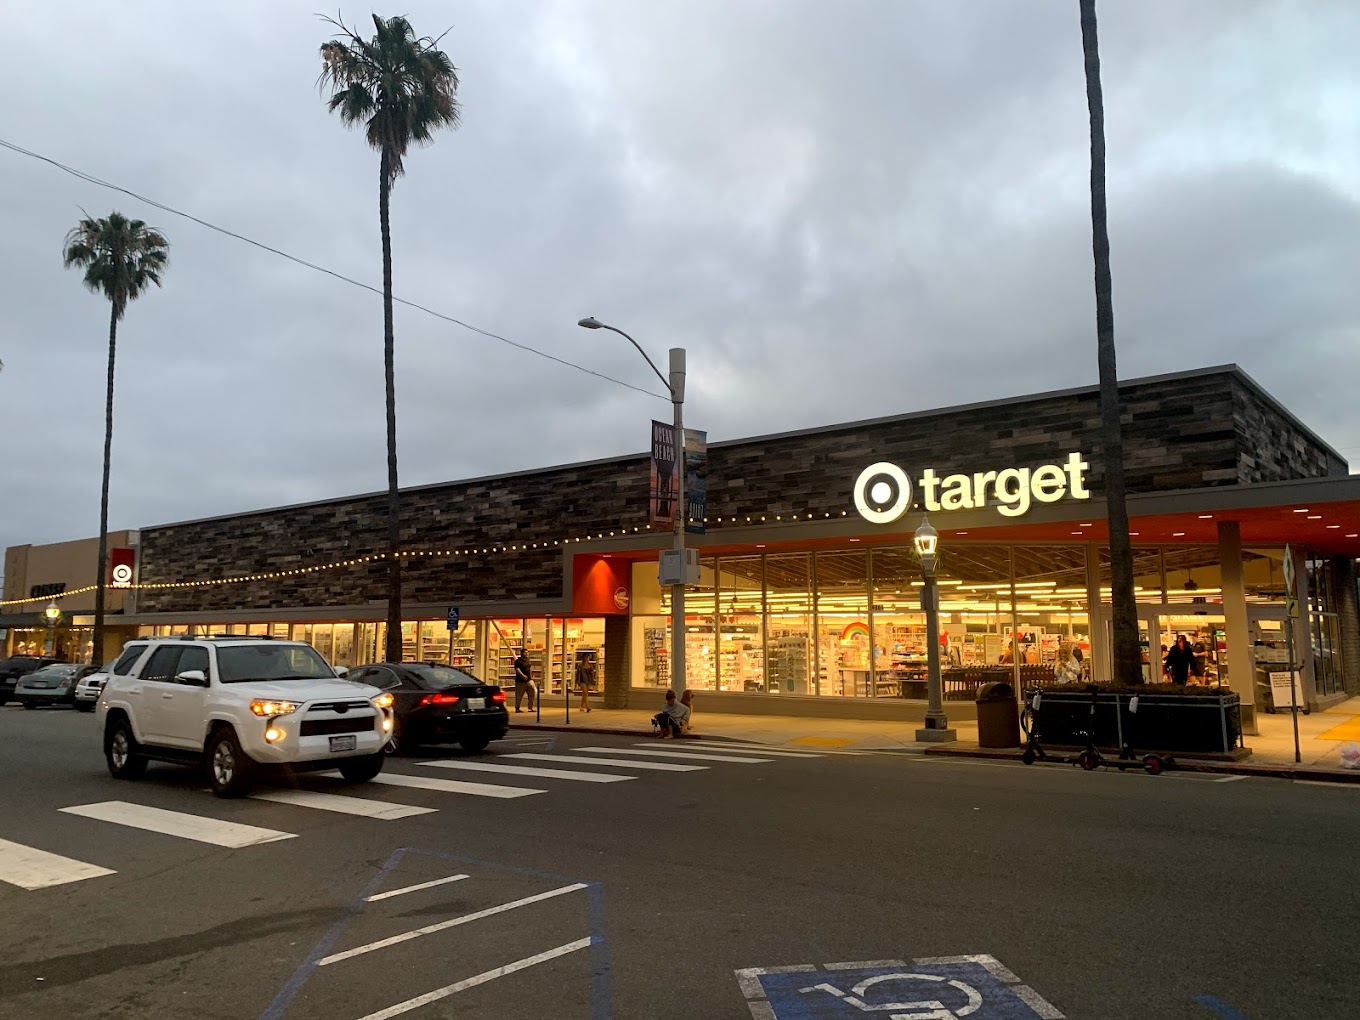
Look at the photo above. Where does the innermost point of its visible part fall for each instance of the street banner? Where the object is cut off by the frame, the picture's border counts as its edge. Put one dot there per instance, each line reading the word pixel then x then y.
pixel 665 475
pixel 696 480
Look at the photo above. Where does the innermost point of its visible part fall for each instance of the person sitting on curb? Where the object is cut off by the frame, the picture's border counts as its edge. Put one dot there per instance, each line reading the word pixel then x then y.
pixel 670 721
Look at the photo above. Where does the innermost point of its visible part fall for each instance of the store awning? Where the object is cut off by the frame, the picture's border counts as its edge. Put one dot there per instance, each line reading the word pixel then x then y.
pixel 20 621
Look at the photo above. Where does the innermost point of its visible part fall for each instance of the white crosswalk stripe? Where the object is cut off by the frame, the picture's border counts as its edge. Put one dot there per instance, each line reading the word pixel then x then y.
pixel 809 752
pixel 766 752
pixel 688 755
pixel 342 805
pixel 655 766
pixel 452 786
pixel 529 770
pixel 178 823
pixel 30 868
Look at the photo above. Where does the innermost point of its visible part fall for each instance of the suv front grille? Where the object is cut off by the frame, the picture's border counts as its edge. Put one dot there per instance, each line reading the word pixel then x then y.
pixel 354 724
pixel 339 706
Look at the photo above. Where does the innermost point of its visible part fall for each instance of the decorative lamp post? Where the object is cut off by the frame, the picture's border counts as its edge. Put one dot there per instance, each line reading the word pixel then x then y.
pixel 675 385
pixel 52 614
pixel 936 729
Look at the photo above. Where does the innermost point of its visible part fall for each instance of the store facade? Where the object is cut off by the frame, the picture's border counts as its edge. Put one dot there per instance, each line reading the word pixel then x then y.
pixel 809 595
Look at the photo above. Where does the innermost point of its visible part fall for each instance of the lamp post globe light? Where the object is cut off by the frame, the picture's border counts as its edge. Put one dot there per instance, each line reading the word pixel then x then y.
pixel 936 728
pixel 52 614
pixel 675 386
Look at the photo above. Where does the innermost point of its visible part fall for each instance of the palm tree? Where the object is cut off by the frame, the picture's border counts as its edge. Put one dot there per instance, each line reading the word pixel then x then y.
pixel 121 258
pixel 401 88
pixel 1126 655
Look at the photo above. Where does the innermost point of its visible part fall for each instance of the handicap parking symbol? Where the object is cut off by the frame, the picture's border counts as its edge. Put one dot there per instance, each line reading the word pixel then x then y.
pixel 931 988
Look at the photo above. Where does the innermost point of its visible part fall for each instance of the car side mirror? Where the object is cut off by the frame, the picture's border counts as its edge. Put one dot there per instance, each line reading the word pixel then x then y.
pixel 193 677
pixel 342 671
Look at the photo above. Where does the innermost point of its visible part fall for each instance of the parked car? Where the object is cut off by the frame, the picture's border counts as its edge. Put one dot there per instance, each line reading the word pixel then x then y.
pixel 91 686
pixel 235 706
pixel 52 685
pixel 438 704
pixel 13 668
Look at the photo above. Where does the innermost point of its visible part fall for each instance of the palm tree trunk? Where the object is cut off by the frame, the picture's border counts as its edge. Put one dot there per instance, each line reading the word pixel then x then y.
pixel 1126 656
pixel 389 369
pixel 101 574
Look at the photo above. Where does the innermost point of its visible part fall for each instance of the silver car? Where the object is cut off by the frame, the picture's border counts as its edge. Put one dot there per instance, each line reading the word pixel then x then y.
pixel 51 685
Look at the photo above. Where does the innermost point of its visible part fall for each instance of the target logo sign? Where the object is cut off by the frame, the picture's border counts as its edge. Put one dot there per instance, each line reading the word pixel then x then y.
pixel 122 566
pixel 882 493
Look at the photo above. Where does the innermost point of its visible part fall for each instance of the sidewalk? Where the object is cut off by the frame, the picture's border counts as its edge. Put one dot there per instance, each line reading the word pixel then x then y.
pixel 1320 736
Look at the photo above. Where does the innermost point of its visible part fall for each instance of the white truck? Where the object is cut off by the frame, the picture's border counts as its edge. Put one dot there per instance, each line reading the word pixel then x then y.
pixel 235 705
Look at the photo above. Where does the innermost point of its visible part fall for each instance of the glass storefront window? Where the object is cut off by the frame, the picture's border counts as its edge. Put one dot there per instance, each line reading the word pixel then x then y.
pixel 434 641
pixel 790 659
pixel 741 641
pixel 843 637
pixel 701 652
pixel 342 648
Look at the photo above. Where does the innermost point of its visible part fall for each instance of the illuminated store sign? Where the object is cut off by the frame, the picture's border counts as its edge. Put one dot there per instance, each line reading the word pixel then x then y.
pixel 883 491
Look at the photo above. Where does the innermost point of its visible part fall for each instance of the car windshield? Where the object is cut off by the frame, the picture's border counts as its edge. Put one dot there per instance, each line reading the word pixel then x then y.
pixel 241 663
pixel 435 677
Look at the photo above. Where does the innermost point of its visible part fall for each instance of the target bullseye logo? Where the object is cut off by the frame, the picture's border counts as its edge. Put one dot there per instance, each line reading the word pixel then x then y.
pixel 122 574
pixel 882 493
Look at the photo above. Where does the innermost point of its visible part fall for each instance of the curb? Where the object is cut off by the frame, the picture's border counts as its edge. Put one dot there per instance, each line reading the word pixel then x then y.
pixel 610 731
pixel 1292 772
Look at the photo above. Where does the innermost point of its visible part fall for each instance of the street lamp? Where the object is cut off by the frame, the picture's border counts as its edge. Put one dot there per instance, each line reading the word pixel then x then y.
pixel 52 615
pixel 936 729
pixel 675 385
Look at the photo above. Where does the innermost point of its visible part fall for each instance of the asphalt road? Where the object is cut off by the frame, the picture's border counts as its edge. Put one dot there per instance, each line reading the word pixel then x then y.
pixel 1108 896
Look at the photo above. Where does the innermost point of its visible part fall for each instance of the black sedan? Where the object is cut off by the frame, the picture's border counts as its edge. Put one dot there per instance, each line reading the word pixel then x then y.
pixel 438 704
pixel 14 667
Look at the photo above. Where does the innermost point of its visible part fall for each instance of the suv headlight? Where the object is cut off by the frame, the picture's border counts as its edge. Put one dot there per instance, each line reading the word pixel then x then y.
pixel 384 700
pixel 272 708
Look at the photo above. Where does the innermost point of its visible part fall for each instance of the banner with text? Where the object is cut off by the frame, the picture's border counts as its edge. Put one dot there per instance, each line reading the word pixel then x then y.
pixel 696 480
pixel 665 475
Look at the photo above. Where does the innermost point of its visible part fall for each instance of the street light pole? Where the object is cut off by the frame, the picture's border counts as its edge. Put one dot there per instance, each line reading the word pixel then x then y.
pixel 675 385
pixel 936 729
pixel 52 614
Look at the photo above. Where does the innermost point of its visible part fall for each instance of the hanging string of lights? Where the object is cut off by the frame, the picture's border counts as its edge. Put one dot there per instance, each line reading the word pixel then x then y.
pixel 466 551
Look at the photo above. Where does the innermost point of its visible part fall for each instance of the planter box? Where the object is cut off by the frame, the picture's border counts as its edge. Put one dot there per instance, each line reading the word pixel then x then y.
pixel 1187 724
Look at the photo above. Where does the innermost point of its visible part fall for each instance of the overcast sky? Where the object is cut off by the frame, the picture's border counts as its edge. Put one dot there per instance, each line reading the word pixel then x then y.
pixel 842 208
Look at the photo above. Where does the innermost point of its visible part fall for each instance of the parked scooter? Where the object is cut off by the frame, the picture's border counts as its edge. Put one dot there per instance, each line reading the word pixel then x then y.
pixel 1090 757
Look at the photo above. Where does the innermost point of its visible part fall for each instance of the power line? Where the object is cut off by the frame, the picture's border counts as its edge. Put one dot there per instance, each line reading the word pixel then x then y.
pixel 91 179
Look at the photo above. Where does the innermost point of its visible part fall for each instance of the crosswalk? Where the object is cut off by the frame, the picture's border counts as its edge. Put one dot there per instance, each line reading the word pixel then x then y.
pixel 508 777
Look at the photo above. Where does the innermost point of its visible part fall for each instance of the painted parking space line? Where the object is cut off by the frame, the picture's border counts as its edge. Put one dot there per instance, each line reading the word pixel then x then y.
pixel 200 828
pixel 927 988
pixel 31 868
pixel 1231 779
pixel 480 979
pixel 529 770
pixel 723 747
pixel 342 805
pixel 655 766
pixel 687 755
pixel 376 897
pixel 449 786
pixel 452 922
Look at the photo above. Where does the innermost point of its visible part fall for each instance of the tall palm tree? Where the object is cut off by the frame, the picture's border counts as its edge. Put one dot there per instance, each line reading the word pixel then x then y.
pixel 1126 655
pixel 401 88
pixel 121 258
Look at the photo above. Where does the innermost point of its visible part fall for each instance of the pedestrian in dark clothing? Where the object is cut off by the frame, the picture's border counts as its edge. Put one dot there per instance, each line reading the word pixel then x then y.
pixel 524 680
pixel 1180 660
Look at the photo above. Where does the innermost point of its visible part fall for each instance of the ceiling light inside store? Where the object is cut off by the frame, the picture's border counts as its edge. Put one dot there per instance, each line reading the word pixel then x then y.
pixel 1178 534
pixel 1330 527
pixel 1087 525
pixel 1206 517
pixel 1301 510
pixel 1353 535
pixel 1315 517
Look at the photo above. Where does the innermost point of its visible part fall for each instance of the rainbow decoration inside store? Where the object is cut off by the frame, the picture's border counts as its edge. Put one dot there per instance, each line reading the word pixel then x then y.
pixel 854 632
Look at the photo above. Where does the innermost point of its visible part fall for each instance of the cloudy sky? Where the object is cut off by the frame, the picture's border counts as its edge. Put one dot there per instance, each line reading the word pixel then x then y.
pixel 842 209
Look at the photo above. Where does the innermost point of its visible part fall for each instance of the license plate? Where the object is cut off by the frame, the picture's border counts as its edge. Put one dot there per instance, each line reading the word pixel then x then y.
pixel 346 743
pixel 475 704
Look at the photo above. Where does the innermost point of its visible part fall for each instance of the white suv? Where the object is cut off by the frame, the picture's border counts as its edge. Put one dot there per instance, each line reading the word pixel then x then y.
pixel 235 704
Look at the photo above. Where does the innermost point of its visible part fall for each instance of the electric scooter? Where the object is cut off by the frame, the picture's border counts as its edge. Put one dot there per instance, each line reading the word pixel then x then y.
pixel 1091 757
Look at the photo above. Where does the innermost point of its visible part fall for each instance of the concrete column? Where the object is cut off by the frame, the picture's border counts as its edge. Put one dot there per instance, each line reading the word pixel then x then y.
pixel 1303 643
pixel 1348 617
pixel 1100 652
pixel 1241 661
pixel 617 664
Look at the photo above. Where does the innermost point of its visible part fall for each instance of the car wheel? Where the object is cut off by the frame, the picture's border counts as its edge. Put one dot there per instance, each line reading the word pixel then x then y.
pixel 28 704
pixel 124 757
pixel 230 769
pixel 362 769
pixel 473 746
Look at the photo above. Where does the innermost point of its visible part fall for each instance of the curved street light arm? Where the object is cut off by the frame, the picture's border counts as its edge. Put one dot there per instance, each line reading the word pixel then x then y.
pixel 595 324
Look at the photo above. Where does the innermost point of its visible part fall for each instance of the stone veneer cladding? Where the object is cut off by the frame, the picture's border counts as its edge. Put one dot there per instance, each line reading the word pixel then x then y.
pixel 1198 429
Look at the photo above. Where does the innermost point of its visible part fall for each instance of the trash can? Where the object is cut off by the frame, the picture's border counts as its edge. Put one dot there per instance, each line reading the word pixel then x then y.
pixel 998 716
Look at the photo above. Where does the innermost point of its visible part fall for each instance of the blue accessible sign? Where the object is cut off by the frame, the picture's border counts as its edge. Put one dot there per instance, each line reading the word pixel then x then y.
pixel 931 988
pixel 453 618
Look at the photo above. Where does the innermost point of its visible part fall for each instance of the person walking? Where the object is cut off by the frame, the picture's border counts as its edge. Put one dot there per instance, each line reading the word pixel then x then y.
pixel 1180 660
pixel 524 680
pixel 585 680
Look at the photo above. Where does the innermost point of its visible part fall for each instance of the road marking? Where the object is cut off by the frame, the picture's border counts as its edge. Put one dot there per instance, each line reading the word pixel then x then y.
pixel 480 979
pixel 1324 782
pixel 343 805
pixel 179 823
pixel 746 748
pixel 821 752
pixel 30 868
pixel 1220 1007
pixel 452 922
pixel 413 888
pixel 528 770
pixel 656 766
pixel 449 786
pixel 690 755
pixel 1231 779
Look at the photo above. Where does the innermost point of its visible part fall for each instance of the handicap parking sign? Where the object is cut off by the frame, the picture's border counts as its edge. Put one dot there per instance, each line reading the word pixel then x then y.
pixel 931 988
